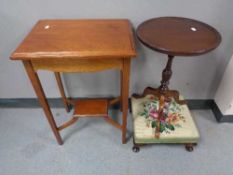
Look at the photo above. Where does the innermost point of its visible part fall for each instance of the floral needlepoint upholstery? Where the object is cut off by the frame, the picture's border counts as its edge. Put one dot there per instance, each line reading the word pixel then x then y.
pixel 176 125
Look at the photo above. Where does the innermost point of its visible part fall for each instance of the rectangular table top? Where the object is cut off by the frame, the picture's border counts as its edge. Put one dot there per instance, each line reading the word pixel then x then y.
pixel 85 38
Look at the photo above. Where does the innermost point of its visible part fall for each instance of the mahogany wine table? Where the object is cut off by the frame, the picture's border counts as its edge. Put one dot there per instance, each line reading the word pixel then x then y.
pixel 79 46
pixel 176 36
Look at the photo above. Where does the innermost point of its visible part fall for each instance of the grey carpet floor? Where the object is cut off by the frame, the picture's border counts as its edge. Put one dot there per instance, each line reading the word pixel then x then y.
pixel 27 146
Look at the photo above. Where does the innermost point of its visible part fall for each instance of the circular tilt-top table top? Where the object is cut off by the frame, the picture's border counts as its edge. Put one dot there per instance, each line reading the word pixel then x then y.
pixel 178 36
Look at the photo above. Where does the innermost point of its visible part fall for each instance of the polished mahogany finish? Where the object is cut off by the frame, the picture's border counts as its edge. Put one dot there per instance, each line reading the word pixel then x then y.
pixel 178 36
pixel 166 75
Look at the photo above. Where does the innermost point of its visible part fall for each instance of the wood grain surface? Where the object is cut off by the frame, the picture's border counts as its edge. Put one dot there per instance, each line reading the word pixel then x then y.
pixel 178 36
pixel 77 38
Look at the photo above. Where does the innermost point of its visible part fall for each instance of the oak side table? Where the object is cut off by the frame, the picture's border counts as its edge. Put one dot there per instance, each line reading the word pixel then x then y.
pixel 176 36
pixel 79 46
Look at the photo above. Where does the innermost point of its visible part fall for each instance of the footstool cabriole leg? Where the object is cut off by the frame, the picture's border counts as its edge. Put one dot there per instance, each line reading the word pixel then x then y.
pixel 136 147
pixel 189 147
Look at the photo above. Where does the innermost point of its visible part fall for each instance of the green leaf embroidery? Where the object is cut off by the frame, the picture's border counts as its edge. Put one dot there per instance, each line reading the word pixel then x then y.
pixel 162 127
pixel 171 127
pixel 153 124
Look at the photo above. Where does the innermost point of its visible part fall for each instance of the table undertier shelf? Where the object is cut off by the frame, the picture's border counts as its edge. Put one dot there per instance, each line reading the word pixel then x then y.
pixel 91 108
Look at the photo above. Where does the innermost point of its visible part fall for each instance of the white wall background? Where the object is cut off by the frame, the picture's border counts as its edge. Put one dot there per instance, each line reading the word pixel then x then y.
pixel 195 77
pixel 224 94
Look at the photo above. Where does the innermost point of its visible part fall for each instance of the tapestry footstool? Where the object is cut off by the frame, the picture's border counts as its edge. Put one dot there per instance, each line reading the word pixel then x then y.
pixel 176 125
